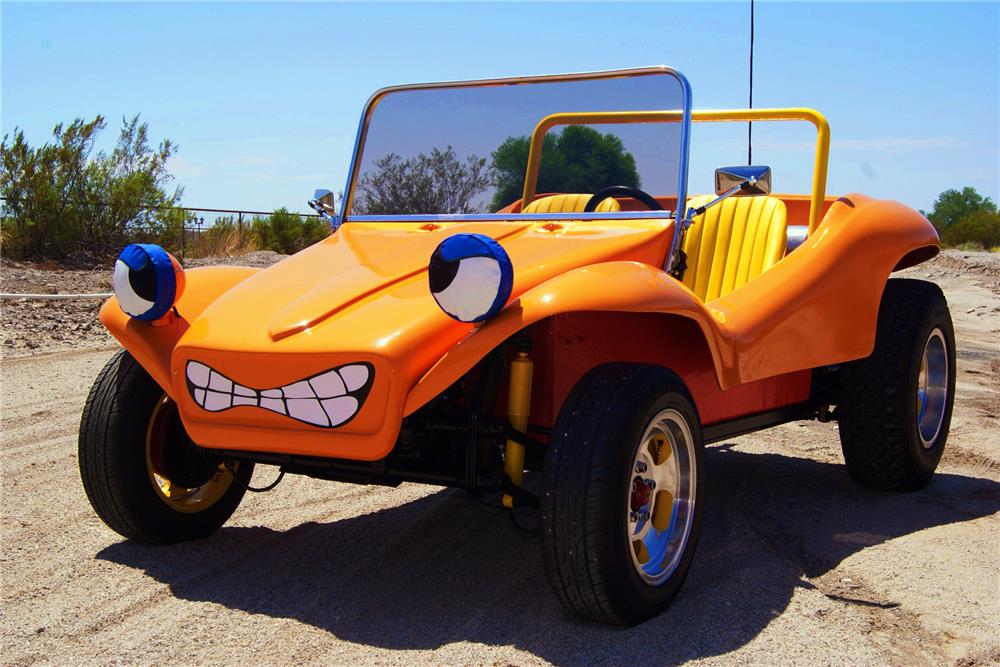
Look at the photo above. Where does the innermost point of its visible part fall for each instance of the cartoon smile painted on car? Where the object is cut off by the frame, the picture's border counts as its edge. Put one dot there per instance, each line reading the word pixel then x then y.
pixel 570 309
pixel 328 399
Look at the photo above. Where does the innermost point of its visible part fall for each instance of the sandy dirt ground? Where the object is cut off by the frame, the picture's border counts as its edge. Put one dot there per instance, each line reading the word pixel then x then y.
pixel 30 326
pixel 796 565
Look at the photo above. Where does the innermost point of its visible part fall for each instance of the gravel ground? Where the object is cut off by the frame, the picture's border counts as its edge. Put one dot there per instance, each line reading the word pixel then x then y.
pixel 796 565
pixel 32 327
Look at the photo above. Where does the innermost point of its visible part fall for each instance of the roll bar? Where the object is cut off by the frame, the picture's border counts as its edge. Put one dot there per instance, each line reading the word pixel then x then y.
pixel 703 116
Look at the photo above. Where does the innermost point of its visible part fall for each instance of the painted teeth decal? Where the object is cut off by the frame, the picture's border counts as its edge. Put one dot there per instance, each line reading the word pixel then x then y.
pixel 328 399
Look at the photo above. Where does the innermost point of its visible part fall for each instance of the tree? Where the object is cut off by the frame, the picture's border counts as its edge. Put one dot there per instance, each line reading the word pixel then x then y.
pixel 435 183
pixel 578 159
pixel 60 198
pixel 952 206
pixel 288 233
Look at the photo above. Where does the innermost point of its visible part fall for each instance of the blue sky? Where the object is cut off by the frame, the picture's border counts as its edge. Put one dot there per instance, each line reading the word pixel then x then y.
pixel 264 99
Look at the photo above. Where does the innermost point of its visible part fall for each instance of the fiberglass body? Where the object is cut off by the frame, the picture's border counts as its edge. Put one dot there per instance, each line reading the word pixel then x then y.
pixel 359 300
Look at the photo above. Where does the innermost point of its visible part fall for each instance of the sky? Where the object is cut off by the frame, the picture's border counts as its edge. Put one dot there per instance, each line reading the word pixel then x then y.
pixel 264 99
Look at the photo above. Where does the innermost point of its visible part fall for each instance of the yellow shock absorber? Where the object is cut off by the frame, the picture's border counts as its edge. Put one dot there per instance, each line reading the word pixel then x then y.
pixel 518 407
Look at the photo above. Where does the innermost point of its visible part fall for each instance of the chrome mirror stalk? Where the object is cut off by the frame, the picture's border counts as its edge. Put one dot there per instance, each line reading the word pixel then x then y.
pixel 738 181
pixel 323 203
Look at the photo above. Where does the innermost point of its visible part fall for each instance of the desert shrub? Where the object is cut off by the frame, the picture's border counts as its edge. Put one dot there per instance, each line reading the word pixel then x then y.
pixel 61 198
pixel 437 182
pixel 979 230
pixel 288 233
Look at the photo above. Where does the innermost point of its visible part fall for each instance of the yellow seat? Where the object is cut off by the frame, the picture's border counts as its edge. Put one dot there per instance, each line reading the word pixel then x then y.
pixel 569 204
pixel 732 243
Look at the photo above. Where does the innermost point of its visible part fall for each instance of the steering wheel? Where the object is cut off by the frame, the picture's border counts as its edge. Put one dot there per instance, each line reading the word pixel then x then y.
pixel 621 191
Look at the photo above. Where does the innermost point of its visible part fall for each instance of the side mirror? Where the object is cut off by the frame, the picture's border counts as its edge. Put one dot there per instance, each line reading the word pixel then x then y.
pixel 323 202
pixel 735 181
pixel 753 180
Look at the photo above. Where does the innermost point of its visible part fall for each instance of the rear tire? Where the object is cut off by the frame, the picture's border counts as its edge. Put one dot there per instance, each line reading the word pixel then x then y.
pixel 895 406
pixel 620 425
pixel 125 413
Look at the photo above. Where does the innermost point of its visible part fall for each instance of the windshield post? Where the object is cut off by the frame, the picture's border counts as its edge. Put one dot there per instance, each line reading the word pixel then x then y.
pixel 682 217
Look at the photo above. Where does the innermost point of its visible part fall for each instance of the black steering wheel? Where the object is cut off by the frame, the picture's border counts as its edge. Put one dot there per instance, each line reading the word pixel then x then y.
pixel 621 191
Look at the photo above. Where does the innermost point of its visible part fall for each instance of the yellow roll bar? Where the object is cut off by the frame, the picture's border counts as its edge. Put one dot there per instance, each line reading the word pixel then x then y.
pixel 708 115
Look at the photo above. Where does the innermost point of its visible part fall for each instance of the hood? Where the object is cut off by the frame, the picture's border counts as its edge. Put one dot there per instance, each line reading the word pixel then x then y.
pixel 280 340
pixel 369 281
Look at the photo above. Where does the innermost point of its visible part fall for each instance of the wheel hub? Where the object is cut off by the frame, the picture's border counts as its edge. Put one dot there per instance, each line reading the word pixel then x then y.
pixel 174 455
pixel 641 492
pixel 932 388
pixel 180 473
pixel 661 498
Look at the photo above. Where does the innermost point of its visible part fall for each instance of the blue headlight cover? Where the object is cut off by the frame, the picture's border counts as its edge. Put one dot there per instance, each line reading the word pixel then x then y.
pixel 470 277
pixel 144 281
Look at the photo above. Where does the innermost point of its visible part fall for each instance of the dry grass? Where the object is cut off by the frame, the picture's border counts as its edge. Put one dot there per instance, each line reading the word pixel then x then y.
pixel 225 242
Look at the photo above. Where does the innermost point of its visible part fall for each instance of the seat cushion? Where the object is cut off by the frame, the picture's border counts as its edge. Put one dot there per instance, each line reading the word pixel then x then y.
pixel 732 243
pixel 569 204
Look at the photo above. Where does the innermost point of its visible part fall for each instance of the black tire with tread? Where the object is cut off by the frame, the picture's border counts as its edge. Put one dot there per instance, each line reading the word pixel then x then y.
pixel 112 458
pixel 877 409
pixel 586 481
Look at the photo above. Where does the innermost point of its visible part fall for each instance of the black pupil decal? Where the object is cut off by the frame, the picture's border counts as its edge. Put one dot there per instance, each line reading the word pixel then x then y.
pixel 441 272
pixel 143 281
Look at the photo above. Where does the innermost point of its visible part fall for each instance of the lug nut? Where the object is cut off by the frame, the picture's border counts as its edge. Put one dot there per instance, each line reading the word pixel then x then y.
pixel 640 466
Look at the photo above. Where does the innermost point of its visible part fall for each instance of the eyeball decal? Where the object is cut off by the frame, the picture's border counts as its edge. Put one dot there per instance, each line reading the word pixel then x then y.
pixel 147 281
pixel 470 277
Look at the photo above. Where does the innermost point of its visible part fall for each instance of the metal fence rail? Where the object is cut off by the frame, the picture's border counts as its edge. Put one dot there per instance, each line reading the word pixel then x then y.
pixel 54 297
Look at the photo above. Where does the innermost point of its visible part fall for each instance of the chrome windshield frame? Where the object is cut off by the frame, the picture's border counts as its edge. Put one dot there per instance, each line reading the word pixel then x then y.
pixel 516 217
pixel 682 167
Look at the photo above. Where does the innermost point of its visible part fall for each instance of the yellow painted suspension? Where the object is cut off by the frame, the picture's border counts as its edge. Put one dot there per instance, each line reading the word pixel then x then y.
pixel 518 407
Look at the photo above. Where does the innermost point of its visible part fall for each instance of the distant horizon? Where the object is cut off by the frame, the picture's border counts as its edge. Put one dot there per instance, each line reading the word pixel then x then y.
pixel 265 110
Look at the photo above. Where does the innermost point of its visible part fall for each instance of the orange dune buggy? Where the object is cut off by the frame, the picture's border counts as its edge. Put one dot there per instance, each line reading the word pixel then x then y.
pixel 459 328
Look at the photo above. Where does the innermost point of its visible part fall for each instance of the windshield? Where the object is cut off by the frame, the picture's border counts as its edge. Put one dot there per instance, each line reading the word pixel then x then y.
pixel 463 148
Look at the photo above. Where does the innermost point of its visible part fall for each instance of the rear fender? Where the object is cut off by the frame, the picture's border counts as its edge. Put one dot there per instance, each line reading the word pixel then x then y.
pixel 153 343
pixel 611 286
pixel 819 305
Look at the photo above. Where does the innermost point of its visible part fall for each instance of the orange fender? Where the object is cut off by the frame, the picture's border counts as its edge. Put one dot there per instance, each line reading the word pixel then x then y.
pixel 818 306
pixel 153 345
pixel 611 286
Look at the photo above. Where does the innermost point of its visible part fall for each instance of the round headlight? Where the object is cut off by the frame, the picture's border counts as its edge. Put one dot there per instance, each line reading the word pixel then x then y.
pixel 470 277
pixel 147 281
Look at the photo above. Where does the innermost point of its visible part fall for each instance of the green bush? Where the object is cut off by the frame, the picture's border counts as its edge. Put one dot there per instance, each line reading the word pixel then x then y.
pixel 61 198
pixel 951 206
pixel 288 233
pixel 980 230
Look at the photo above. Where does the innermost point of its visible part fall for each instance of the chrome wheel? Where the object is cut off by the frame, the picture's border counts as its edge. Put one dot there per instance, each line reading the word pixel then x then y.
pixel 932 388
pixel 660 506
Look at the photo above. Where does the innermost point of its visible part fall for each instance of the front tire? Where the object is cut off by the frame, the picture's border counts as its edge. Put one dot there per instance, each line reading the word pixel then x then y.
pixel 621 495
pixel 142 474
pixel 895 405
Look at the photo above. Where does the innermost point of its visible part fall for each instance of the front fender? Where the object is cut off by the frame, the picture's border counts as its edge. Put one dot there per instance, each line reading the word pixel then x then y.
pixel 152 343
pixel 620 286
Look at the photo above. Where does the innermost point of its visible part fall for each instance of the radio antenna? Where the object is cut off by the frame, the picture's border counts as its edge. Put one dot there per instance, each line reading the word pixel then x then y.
pixel 750 125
